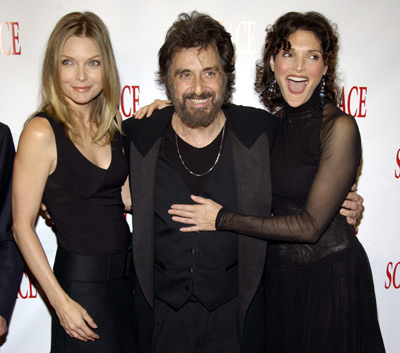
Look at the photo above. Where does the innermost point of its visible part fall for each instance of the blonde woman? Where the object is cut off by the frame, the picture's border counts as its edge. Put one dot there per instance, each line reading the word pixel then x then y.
pixel 70 156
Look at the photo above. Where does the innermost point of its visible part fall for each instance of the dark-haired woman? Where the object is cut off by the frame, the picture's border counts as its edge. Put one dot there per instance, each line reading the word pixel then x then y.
pixel 319 290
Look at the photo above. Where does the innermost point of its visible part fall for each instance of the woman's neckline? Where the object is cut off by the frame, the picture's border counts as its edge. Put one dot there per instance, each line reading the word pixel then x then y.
pixel 307 109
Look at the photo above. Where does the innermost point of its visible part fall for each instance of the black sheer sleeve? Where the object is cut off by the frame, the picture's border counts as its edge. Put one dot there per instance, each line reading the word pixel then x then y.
pixel 340 156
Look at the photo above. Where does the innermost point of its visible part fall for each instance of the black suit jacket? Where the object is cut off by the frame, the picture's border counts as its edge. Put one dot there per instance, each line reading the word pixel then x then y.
pixel 11 263
pixel 252 132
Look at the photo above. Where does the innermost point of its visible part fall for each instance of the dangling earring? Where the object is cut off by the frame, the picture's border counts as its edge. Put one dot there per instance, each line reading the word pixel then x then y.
pixel 271 89
pixel 322 92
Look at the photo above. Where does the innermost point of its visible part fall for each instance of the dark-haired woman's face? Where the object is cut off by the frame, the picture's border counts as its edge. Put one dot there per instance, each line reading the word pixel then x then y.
pixel 299 70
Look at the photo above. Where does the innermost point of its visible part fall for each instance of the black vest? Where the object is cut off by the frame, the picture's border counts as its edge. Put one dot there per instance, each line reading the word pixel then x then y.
pixel 201 265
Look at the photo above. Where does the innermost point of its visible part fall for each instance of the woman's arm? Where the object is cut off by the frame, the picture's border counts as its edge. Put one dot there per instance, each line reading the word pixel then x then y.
pixel 34 162
pixel 340 156
pixel 148 109
pixel 351 208
pixel 125 190
pixel 126 196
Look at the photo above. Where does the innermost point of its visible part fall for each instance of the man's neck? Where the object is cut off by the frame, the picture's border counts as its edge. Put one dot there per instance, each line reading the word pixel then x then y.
pixel 201 136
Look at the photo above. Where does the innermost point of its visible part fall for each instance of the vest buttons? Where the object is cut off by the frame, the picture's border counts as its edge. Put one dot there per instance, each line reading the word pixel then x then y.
pixel 190 270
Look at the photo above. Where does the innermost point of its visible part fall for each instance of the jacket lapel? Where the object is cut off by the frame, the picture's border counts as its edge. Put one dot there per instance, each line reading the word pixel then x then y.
pixel 142 181
pixel 254 197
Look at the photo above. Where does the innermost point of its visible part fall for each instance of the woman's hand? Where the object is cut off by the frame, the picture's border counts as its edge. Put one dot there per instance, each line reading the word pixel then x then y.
pixel 201 216
pixel 148 110
pixel 75 320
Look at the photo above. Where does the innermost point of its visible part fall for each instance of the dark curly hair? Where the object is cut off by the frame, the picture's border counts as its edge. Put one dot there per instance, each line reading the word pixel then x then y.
pixel 197 30
pixel 277 39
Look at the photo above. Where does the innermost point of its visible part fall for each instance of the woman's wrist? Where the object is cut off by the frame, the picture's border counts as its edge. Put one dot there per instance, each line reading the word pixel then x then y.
pixel 220 214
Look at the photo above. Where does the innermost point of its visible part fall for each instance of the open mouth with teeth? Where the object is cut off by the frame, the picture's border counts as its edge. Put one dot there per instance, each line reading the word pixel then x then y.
pixel 296 84
pixel 199 101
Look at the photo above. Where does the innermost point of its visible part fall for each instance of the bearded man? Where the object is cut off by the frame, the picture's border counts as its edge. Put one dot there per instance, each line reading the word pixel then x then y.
pixel 198 292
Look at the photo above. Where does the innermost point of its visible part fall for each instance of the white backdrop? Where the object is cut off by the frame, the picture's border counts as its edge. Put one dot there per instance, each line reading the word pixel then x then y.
pixel 369 55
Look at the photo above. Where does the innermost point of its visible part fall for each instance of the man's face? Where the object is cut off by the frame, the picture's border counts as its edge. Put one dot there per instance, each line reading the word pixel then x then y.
pixel 197 85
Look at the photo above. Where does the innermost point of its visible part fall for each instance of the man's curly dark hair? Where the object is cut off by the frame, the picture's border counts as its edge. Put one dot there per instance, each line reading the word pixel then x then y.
pixel 197 30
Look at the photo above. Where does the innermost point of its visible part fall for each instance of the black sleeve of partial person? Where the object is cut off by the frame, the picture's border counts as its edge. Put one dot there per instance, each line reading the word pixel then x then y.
pixel 11 262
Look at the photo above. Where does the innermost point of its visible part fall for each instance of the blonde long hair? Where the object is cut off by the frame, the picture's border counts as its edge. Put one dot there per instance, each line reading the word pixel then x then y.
pixel 104 107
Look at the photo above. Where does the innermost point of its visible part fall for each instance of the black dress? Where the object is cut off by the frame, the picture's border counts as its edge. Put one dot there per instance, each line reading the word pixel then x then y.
pixel 318 289
pixel 92 260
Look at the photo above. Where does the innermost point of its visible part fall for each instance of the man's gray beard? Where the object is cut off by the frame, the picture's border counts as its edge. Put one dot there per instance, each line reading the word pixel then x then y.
pixel 197 117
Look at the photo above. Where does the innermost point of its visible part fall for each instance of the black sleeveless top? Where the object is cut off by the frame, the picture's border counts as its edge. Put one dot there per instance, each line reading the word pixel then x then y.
pixel 84 200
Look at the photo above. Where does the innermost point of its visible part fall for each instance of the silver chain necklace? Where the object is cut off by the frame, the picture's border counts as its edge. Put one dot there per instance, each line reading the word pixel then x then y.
pixel 216 160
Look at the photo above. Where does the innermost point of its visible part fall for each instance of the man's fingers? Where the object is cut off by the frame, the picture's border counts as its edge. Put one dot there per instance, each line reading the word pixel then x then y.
pixel 351 221
pixel 348 212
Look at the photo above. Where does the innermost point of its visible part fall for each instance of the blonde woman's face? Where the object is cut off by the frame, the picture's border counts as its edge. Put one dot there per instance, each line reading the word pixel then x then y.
pixel 81 79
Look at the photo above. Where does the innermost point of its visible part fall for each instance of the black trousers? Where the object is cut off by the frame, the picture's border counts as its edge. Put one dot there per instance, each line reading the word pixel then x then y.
pixel 193 329
pixel 104 287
